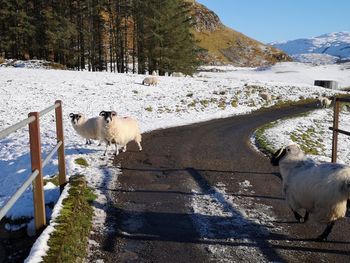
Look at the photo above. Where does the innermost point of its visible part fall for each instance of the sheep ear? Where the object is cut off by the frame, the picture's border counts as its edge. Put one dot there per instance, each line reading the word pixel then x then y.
pixel 102 113
pixel 71 115
pixel 114 113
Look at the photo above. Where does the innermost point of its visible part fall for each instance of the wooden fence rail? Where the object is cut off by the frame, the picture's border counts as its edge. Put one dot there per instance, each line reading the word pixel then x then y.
pixel 335 128
pixel 37 164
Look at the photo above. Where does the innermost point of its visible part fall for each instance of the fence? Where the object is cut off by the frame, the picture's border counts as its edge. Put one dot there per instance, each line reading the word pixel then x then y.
pixel 37 164
pixel 335 128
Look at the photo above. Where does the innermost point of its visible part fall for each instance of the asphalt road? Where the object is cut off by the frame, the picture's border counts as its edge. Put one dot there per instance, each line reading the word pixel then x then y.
pixel 152 218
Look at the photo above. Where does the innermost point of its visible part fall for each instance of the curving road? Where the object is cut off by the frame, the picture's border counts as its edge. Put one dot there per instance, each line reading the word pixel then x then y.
pixel 162 209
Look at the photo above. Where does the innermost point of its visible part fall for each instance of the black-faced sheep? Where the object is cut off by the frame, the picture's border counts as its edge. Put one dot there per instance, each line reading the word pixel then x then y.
pixel 119 131
pixel 321 189
pixel 150 81
pixel 90 129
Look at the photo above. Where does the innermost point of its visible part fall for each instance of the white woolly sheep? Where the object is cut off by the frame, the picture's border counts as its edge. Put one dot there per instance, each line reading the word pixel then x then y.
pixel 321 189
pixel 266 96
pixel 324 102
pixel 119 131
pixel 90 129
pixel 177 74
pixel 150 81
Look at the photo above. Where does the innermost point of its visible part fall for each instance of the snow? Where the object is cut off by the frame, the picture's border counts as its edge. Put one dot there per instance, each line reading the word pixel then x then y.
pixel 311 132
pixel 240 220
pixel 175 101
pixel 336 44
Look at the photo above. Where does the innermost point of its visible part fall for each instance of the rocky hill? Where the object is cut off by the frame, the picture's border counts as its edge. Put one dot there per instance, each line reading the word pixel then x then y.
pixel 324 49
pixel 221 44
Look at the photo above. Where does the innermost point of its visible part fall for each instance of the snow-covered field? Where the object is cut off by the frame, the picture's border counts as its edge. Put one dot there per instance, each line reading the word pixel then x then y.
pixel 311 132
pixel 175 101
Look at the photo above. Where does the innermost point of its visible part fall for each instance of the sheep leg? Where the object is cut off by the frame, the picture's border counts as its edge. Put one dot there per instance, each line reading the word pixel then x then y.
pixel 297 216
pixel 140 147
pixel 324 235
pixel 88 141
pixel 107 144
pixel 116 149
pixel 306 216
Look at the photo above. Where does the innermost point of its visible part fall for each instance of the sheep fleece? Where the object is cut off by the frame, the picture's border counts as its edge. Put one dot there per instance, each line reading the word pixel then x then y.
pixel 322 193
pixel 122 131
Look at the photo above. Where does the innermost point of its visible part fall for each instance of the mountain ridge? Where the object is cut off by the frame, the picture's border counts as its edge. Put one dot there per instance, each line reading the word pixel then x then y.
pixel 334 47
pixel 223 45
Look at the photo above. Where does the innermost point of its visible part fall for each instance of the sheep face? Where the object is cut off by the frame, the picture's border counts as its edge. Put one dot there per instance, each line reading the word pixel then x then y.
pixel 291 152
pixel 108 116
pixel 275 159
pixel 76 119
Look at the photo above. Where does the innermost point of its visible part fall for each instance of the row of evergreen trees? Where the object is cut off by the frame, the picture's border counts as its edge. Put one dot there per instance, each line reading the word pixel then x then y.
pixel 100 34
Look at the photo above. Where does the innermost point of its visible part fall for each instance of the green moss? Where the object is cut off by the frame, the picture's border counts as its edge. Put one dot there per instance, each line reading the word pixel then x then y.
pixel 81 162
pixel 68 243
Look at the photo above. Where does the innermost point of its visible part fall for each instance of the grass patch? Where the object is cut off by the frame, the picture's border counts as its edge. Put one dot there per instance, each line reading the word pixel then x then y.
pixel 68 243
pixel 234 103
pixel 149 109
pixel 306 141
pixel 288 103
pixel 53 179
pixel 261 140
pixel 81 162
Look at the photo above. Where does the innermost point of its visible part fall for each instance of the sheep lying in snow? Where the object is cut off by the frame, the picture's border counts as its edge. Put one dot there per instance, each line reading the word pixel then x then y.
pixel 150 81
pixel 321 189
pixel 90 129
pixel 119 131
pixel 177 74
pixel 324 102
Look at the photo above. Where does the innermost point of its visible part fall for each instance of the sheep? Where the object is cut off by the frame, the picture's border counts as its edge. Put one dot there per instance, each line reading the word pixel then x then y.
pixel 119 131
pixel 324 102
pixel 321 189
pixel 266 96
pixel 90 129
pixel 177 74
pixel 150 81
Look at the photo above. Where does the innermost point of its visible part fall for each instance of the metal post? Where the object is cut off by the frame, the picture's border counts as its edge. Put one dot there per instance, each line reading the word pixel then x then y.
pixel 335 128
pixel 60 152
pixel 38 185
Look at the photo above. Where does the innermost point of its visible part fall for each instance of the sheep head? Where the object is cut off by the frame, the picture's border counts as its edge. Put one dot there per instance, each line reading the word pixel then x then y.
pixel 76 119
pixel 291 152
pixel 108 115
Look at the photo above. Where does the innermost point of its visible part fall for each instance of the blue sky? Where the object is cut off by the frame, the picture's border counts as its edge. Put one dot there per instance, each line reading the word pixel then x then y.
pixel 276 20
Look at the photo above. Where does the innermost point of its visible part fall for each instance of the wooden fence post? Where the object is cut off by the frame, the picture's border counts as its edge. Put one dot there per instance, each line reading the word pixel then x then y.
pixel 335 130
pixel 38 185
pixel 60 152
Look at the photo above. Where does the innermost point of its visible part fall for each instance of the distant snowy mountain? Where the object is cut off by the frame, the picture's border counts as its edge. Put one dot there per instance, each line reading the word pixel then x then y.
pixel 325 49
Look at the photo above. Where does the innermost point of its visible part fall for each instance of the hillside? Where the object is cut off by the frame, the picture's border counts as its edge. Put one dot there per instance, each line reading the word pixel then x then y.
pixel 324 49
pixel 221 44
